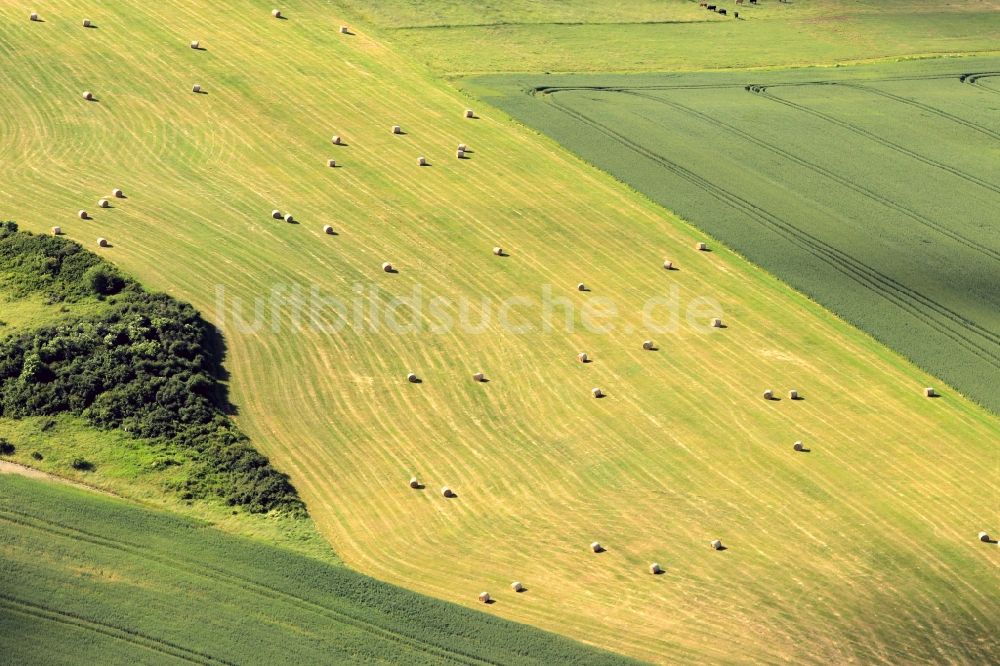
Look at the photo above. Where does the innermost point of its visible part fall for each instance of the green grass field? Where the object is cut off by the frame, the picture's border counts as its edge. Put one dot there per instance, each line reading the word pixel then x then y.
pixel 868 188
pixel 453 37
pixel 863 549
pixel 86 579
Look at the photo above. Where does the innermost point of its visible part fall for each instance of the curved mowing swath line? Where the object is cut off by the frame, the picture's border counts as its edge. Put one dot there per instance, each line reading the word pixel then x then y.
pixel 925 107
pixel 211 573
pixel 921 307
pixel 763 92
pixel 128 636
pixel 874 196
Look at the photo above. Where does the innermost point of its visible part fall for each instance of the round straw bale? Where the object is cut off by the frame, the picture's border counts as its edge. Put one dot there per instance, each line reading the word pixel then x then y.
pixel 597 547
pixel 196 88
pixel 929 392
pixel 87 95
pixel 421 161
pixel 412 378
pixel 118 194
pixel 276 13
pixel 460 154
pixel 469 113
pixel 102 242
pixel 716 323
pixel 716 544
pixel 798 446
pixel 276 214
pixel 396 129
pixel 195 44
pixel 104 203
pixel 344 30
pixel 478 377
pixel 668 265
pixel 56 231
pixel 289 218
pixel 498 251
pixel 33 16
pixel 598 393
pixel 331 163
pixel 414 483
pixel 701 247
pixel 387 267
pixel 984 537
pixel 82 214
pixel 655 568
pixel 647 345
pixel 327 229
pixel 793 395
pixel 582 357
pixel 337 140
pixel 462 147
pixel 484 597
pixel 86 23
pixel 768 394
pixel 516 586
pixel 447 492
pixel 581 287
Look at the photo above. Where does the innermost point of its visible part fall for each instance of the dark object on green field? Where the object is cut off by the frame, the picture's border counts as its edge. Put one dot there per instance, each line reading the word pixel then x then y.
pixel 37 455
pixel 6 448
pixel 722 12
pixel 82 465
pixel 145 363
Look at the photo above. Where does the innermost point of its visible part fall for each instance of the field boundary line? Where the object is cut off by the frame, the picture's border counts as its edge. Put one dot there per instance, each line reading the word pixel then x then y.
pixel 865 276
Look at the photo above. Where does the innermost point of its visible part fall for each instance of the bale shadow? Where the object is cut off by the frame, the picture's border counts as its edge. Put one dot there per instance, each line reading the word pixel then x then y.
pixel 599 550
pixel 797 398
pixel 415 380
pixel 198 48
pixel 721 548
pixel 452 496
pixel 601 397
pixel 803 450
pixel 391 271
pixel 90 27
pixel 347 32
pixel 200 92
pixel 585 289
pixel 419 486
pixel 660 572
pixel 521 591
pixel 654 348
pixel 490 602
pixel 993 541
pixel 589 360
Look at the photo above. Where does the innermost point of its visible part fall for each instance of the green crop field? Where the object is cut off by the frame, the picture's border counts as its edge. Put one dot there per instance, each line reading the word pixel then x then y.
pixel 455 37
pixel 85 579
pixel 862 549
pixel 872 189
